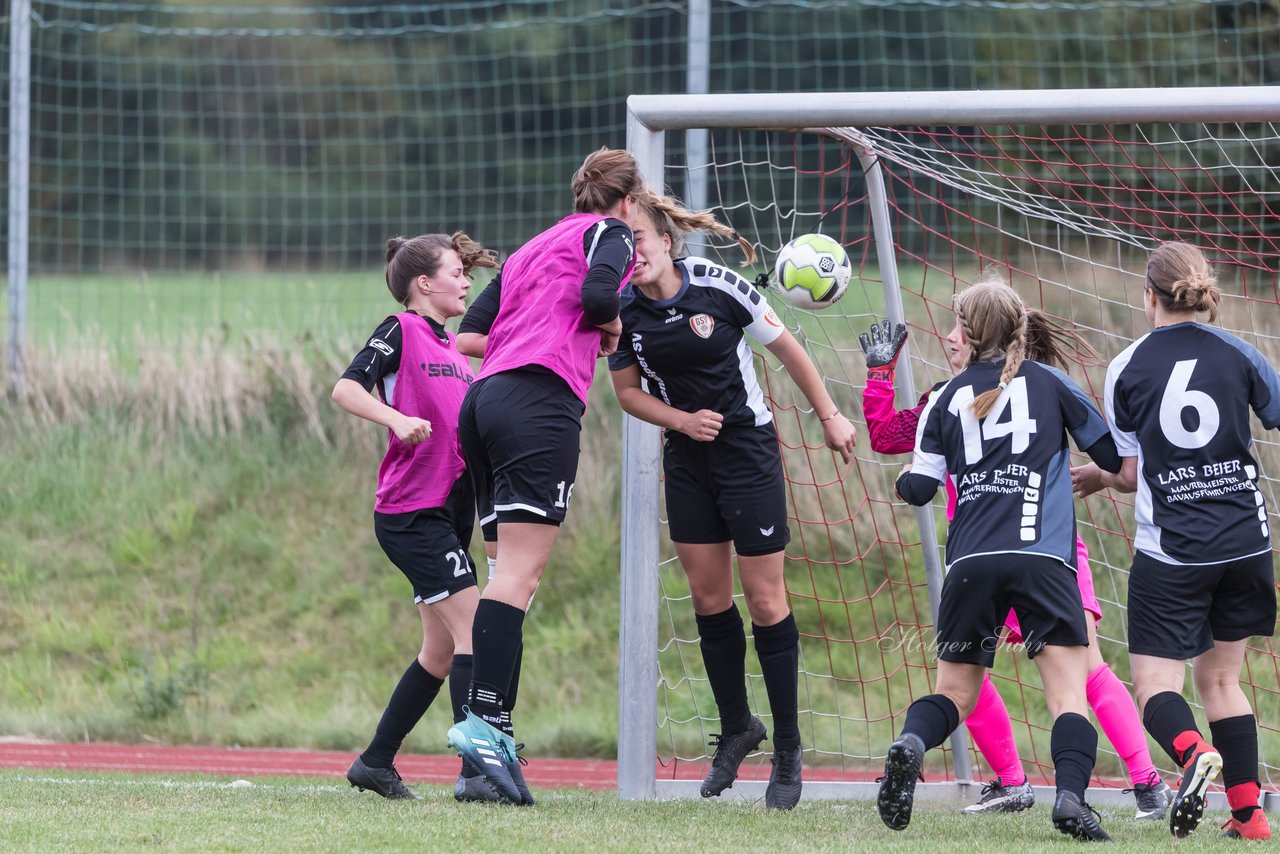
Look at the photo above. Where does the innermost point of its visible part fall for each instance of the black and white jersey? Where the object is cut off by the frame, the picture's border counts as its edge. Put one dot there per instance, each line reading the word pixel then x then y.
pixel 378 363
pixel 691 349
pixel 1012 469
pixel 1178 399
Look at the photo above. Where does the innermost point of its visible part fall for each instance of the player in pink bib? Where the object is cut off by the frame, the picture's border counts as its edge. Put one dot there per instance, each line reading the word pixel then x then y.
pixel 894 432
pixel 425 508
pixel 540 326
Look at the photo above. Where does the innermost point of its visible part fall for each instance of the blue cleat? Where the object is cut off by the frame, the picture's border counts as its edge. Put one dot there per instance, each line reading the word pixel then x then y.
pixel 486 751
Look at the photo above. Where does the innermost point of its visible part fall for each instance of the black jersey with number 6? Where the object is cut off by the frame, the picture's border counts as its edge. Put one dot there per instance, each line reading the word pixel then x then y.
pixel 1012 468
pixel 1178 399
pixel 690 348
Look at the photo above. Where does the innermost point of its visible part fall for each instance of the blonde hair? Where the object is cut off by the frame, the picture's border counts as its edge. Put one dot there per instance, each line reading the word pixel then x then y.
pixel 408 258
pixel 995 321
pixel 1182 279
pixel 673 219
pixel 605 178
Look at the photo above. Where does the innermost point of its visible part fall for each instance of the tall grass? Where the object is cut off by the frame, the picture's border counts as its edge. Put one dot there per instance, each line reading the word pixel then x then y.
pixel 187 555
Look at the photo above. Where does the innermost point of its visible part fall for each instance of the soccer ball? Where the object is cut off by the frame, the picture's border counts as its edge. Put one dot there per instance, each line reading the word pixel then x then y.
pixel 813 271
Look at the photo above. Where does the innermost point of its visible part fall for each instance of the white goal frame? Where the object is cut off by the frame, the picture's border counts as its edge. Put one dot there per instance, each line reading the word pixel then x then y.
pixel 648 119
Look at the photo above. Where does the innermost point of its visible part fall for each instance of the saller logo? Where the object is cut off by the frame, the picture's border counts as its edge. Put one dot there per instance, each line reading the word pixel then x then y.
pixel 435 369
pixel 702 324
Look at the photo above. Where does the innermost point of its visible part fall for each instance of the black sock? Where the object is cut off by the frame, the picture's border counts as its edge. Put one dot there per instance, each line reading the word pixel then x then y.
pixel 459 684
pixel 724 653
pixel 932 718
pixel 1166 717
pixel 409 701
pixel 1073 744
pixel 509 700
pixel 1236 740
pixel 496 638
pixel 778 648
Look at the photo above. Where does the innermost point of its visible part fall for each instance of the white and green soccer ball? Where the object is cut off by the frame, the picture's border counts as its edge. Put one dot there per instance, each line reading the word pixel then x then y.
pixel 813 271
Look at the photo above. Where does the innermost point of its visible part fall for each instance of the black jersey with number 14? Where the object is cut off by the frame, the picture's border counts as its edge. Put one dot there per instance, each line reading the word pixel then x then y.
pixel 1012 468
pixel 1178 399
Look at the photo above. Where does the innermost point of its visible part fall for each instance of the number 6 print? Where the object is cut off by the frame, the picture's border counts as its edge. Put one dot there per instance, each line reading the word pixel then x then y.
pixel 1177 397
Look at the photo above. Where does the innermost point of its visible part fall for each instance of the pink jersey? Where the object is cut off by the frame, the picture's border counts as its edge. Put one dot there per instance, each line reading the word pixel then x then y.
pixel 431 382
pixel 540 319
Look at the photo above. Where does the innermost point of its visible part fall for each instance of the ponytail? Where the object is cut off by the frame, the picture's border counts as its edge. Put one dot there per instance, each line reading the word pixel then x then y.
pixel 672 218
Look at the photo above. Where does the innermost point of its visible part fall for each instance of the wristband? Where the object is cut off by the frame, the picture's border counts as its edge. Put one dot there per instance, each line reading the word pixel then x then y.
pixel 829 417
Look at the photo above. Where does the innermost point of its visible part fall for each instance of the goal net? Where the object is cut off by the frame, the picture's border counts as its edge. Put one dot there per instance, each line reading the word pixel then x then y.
pixel 926 192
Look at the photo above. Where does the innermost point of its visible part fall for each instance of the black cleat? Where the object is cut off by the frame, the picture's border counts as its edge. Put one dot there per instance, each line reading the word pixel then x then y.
pixel 472 787
pixel 1153 799
pixel 898 785
pixel 997 797
pixel 783 792
pixel 1188 804
pixel 517 777
pixel 1075 818
pixel 384 781
pixel 731 749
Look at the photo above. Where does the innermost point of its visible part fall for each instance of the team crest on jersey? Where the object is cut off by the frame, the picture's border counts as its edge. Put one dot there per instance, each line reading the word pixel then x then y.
pixel 702 324
pixel 771 318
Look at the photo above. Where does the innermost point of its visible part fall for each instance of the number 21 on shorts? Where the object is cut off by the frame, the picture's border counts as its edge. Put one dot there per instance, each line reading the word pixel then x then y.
pixel 458 562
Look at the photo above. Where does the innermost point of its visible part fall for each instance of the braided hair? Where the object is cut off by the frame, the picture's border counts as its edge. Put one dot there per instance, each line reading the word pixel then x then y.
pixel 994 321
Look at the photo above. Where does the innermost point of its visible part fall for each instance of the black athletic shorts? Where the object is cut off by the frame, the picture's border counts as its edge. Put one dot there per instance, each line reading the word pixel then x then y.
pixel 430 546
pixel 730 488
pixel 979 591
pixel 1178 611
pixel 520 433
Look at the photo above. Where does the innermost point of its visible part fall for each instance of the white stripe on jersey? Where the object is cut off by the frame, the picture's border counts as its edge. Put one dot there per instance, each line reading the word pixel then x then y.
pixel 923 462
pixel 755 397
pixel 389 387
pixel 1126 442
pixel 595 240
pixel 759 329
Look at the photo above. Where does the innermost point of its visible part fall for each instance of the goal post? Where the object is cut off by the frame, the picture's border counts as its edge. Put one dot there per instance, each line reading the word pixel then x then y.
pixel 1063 190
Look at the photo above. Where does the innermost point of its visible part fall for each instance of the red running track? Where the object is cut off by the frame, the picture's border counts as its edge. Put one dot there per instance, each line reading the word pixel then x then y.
pixel 600 774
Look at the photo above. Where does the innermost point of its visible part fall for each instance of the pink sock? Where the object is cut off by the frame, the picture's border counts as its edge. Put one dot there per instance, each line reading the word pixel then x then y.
pixel 1118 716
pixel 992 733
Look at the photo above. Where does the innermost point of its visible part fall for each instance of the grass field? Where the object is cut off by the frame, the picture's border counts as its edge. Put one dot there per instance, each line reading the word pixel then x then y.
pixel 45 811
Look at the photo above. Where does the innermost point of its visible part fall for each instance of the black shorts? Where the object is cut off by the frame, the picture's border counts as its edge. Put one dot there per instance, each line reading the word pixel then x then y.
pixel 520 434
pixel 979 591
pixel 430 546
pixel 1178 611
pixel 731 488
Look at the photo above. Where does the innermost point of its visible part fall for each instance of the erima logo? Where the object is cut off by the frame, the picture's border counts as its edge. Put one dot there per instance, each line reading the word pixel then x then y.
pixel 381 346
pixel 768 532
pixel 671 311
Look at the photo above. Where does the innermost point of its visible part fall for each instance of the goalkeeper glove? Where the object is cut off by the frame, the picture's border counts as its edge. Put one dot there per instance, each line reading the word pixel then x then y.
pixel 882 348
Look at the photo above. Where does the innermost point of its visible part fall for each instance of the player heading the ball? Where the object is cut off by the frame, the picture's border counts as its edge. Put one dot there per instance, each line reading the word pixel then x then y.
pixel 684 364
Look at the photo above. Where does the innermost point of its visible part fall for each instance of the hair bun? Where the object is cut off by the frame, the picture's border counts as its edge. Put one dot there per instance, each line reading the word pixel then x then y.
pixel 393 246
